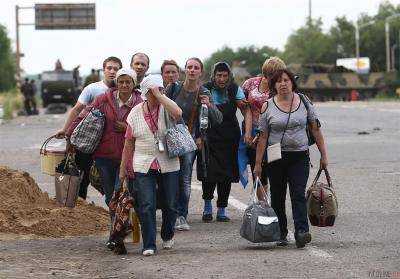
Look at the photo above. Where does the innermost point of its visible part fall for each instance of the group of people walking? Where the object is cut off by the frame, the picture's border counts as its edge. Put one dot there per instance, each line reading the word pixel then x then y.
pixel 132 147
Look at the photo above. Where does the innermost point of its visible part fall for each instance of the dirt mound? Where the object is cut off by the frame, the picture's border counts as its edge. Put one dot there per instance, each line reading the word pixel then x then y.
pixel 25 209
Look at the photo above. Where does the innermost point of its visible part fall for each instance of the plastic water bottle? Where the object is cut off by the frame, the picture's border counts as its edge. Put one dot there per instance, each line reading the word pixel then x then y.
pixel 203 117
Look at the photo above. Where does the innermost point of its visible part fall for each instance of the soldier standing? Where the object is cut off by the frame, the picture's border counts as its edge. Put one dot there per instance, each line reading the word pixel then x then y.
pixel 26 90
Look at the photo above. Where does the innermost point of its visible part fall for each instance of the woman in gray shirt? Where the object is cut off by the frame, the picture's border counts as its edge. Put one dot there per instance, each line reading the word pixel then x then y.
pixel 284 120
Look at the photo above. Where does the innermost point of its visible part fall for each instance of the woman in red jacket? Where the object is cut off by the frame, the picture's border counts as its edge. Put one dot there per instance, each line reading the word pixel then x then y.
pixel 115 104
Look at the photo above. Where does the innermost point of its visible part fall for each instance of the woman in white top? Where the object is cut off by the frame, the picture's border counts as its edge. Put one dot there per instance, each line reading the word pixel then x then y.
pixel 145 139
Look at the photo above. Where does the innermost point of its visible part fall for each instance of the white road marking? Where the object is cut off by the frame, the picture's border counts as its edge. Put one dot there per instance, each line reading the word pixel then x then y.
pixel 242 206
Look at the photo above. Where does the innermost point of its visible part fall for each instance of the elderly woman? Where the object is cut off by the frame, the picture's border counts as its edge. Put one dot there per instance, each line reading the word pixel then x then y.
pixel 256 90
pixel 189 96
pixel 116 105
pixel 284 120
pixel 145 138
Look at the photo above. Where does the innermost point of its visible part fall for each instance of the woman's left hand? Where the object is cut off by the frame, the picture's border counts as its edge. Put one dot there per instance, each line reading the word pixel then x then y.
pixel 323 163
pixel 156 92
pixel 205 99
pixel 247 139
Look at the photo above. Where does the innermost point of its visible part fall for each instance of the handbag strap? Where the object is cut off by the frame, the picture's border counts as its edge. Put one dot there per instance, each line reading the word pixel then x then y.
pixel 168 122
pixel 257 183
pixel 328 177
pixel 151 116
pixel 287 122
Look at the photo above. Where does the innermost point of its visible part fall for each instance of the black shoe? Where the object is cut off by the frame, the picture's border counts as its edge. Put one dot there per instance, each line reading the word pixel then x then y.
pixel 120 249
pixel 302 238
pixel 207 218
pixel 110 245
pixel 283 242
pixel 223 218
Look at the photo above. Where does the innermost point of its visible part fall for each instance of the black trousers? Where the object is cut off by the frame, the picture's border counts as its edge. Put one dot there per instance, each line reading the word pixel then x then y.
pixel 223 190
pixel 30 105
pixel 84 162
pixel 292 169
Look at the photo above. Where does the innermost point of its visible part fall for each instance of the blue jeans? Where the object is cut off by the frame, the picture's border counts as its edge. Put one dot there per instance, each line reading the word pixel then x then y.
pixel 185 180
pixel 109 173
pixel 144 191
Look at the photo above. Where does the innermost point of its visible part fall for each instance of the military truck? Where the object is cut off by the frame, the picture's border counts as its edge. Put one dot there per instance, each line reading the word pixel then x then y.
pixel 323 82
pixel 59 86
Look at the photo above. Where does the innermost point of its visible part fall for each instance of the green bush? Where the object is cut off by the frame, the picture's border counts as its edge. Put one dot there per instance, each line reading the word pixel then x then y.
pixel 11 101
pixel 386 96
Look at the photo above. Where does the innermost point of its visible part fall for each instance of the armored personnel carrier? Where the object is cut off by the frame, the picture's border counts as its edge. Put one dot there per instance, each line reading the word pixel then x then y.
pixel 59 86
pixel 323 82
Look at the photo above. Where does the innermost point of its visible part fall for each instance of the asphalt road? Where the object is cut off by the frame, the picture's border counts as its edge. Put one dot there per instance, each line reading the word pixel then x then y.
pixel 363 142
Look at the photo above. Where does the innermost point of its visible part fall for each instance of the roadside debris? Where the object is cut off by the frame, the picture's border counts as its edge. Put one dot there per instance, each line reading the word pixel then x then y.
pixel 25 209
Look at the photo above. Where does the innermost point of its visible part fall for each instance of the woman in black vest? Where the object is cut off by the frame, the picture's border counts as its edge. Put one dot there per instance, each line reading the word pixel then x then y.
pixel 221 143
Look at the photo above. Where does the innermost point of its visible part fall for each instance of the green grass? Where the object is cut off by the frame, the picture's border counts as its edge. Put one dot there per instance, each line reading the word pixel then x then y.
pixel 11 102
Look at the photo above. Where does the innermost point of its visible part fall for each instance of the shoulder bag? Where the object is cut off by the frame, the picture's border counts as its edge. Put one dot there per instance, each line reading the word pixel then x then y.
pixel 274 152
pixel 87 134
pixel 177 138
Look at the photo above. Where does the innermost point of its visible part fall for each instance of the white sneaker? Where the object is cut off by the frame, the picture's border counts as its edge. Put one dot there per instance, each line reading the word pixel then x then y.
pixel 168 244
pixel 148 252
pixel 184 225
pixel 178 226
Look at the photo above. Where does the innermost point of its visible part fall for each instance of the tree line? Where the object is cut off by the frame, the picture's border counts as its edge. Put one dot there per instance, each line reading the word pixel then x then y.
pixel 7 61
pixel 310 44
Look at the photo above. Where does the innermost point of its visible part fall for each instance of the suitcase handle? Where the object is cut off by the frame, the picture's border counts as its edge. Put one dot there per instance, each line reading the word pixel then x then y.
pixel 328 177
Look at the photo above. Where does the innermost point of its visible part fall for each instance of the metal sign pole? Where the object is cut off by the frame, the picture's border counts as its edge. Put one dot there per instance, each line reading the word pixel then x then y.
pixel 17 51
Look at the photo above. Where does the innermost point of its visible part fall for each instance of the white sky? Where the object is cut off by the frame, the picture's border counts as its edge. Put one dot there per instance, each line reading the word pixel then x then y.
pixel 174 29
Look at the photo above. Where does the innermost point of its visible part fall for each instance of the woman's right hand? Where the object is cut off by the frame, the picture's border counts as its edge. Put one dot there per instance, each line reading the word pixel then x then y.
pixel 257 170
pixel 60 134
pixel 247 139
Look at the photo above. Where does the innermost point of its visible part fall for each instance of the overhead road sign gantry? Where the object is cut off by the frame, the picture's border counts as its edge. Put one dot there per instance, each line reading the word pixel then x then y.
pixel 65 16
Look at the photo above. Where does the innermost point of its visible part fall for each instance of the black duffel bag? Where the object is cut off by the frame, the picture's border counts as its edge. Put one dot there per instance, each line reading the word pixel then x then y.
pixel 260 223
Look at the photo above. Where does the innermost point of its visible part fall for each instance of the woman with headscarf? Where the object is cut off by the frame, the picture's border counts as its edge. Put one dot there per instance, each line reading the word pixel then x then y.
pixel 115 104
pixel 222 141
pixel 145 139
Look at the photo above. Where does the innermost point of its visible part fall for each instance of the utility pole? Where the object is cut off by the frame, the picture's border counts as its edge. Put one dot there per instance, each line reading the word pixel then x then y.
pixel 18 53
pixel 17 50
pixel 357 37
pixel 387 43
pixel 387 40
pixel 309 11
pixel 357 28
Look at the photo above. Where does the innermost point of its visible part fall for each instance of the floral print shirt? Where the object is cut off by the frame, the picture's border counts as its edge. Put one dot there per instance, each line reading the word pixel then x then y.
pixel 255 98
